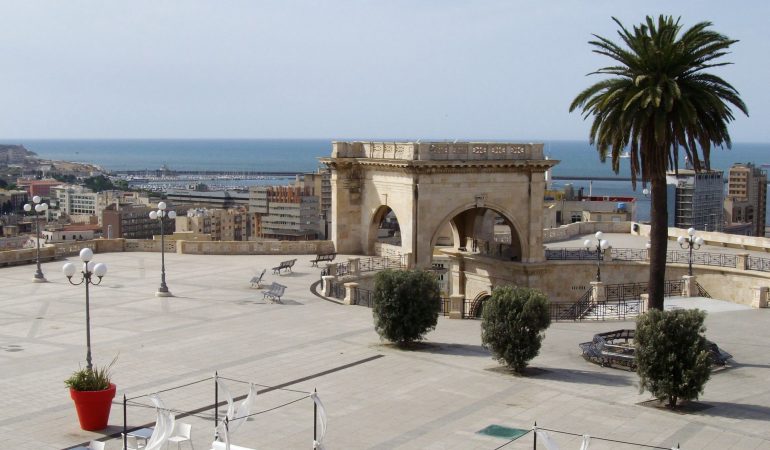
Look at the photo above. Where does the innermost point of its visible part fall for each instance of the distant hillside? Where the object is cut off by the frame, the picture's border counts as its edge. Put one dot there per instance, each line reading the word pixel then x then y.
pixel 14 154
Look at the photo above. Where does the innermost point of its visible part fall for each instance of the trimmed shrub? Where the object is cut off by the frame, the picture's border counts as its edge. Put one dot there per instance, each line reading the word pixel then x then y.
pixel 672 354
pixel 406 305
pixel 514 319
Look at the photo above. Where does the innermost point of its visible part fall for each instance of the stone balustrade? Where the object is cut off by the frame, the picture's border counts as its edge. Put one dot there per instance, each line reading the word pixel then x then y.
pixel 438 151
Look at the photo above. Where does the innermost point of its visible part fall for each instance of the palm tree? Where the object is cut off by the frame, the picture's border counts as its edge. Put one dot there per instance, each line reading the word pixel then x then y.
pixel 659 100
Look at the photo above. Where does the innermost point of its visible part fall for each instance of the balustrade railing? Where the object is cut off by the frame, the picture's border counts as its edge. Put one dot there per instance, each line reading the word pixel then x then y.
pixel 337 290
pixel 672 256
pixel 758 263
pixel 364 297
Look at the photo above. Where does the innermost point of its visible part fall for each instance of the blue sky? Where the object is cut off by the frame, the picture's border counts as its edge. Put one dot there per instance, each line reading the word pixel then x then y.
pixel 332 69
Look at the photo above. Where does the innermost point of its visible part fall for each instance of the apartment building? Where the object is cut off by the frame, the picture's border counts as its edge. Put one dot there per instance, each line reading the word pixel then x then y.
pixel 746 201
pixel 133 221
pixel 285 212
pixel 698 199
pixel 219 224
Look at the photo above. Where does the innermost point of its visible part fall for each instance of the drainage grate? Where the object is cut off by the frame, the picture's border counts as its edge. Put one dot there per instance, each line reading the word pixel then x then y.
pixel 503 432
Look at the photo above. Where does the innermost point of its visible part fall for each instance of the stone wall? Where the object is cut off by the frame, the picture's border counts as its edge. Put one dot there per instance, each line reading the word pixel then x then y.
pixel 760 244
pixel 571 230
pixel 51 252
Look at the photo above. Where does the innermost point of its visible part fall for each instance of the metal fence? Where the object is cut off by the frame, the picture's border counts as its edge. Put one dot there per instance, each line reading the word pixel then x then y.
pixel 363 297
pixel 337 290
pixel 446 306
pixel 381 263
pixel 672 256
pixel 615 310
pixel 758 263
pixel 615 292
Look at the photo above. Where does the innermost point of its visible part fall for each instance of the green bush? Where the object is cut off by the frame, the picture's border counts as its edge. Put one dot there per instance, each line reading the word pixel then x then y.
pixel 406 305
pixel 514 319
pixel 672 354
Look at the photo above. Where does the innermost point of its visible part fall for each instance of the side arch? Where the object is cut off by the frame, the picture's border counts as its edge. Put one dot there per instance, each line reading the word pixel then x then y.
pixel 374 220
pixel 522 238
pixel 477 305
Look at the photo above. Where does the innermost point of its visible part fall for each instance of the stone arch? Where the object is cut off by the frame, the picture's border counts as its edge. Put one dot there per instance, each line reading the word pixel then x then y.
pixel 460 231
pixel 424 182
pixel 378 216
pixel 477 305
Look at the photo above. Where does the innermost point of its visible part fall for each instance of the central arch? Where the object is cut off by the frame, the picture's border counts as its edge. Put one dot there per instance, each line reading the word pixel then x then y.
pixel 482 230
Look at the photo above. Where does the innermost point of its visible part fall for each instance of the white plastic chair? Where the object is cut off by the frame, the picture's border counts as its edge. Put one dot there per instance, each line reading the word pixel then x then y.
pixel 95 445
pixel 132 443
pixel 181 434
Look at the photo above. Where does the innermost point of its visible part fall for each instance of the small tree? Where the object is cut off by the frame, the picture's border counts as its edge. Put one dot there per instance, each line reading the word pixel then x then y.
pixel 514 319
pixel 672 354
pixel 406 305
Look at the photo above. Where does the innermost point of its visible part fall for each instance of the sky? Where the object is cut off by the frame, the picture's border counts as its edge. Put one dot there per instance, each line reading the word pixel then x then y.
pixel 340 69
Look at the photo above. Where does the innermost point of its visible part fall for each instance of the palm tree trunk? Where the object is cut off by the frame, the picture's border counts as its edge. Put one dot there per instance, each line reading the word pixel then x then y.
pixel 658 242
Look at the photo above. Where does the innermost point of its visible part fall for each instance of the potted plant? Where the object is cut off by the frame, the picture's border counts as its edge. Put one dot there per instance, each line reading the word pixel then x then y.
pixel 92 391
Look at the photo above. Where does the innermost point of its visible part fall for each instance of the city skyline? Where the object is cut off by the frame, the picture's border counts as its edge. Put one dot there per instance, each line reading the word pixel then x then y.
pixel 488 70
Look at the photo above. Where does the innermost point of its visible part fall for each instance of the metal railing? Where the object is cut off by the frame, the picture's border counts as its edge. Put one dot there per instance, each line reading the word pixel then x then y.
pixel 616 310
pixel 616 292
pixel 337 290
pixel 672 256
pixel 363 297
pixel 571 311
pixel 381 263
pixel 758 263
pixel 446 306
pixel 701 258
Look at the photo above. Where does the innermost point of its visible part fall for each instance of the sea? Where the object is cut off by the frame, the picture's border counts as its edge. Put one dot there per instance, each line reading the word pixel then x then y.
pixel 576 158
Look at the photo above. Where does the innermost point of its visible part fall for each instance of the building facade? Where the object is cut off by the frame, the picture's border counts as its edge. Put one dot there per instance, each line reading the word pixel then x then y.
pixel 698 199
pixel 219 224
pixel 746 201
pixel 285 212
pixel 132 221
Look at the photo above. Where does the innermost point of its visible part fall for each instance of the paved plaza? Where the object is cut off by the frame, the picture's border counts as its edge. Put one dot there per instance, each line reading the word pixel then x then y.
pixel 436 396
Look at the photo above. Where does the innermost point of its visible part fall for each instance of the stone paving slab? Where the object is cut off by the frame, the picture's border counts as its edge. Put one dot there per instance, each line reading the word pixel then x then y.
pixel 436 396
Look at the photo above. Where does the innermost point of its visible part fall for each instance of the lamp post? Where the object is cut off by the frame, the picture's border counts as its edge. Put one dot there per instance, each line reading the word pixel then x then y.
pixel 601 245
pixel 39 208
pixel 690 242
pixel 89 270
pixel 160 214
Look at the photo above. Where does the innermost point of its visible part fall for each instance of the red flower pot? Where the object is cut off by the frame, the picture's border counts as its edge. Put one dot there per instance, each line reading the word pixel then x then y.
pixel 93 407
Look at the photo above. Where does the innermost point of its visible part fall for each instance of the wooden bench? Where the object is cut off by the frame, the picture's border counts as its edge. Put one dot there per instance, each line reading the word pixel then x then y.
pixel 323 257
pixel 257 280
pixel 285 265
pixel 274 293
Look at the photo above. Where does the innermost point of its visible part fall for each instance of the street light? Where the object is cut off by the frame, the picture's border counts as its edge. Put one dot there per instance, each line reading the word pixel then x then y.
pixel 39 208
pixel 690 242
pixel 160 214
pixel 89 270
pixel 601 246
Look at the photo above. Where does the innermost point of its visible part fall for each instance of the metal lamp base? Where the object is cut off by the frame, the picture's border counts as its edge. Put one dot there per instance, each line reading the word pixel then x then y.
pixel 163 294
pixel 39 280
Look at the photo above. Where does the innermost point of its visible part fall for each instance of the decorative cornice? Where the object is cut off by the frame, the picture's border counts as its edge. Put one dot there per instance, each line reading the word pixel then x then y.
pixel 427 167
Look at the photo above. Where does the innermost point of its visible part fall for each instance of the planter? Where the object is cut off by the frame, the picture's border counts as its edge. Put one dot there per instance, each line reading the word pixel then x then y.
pixel 93 407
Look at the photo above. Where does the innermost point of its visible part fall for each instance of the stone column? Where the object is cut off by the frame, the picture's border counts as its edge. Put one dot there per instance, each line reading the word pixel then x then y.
pixel 331 269
pixel 689 288
pixel 327 285
pixel 742 261
pixel 607 255
pixel 350 294
pixel 456 305
pixel 598 293
pixel 759 297
pixel 354 266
